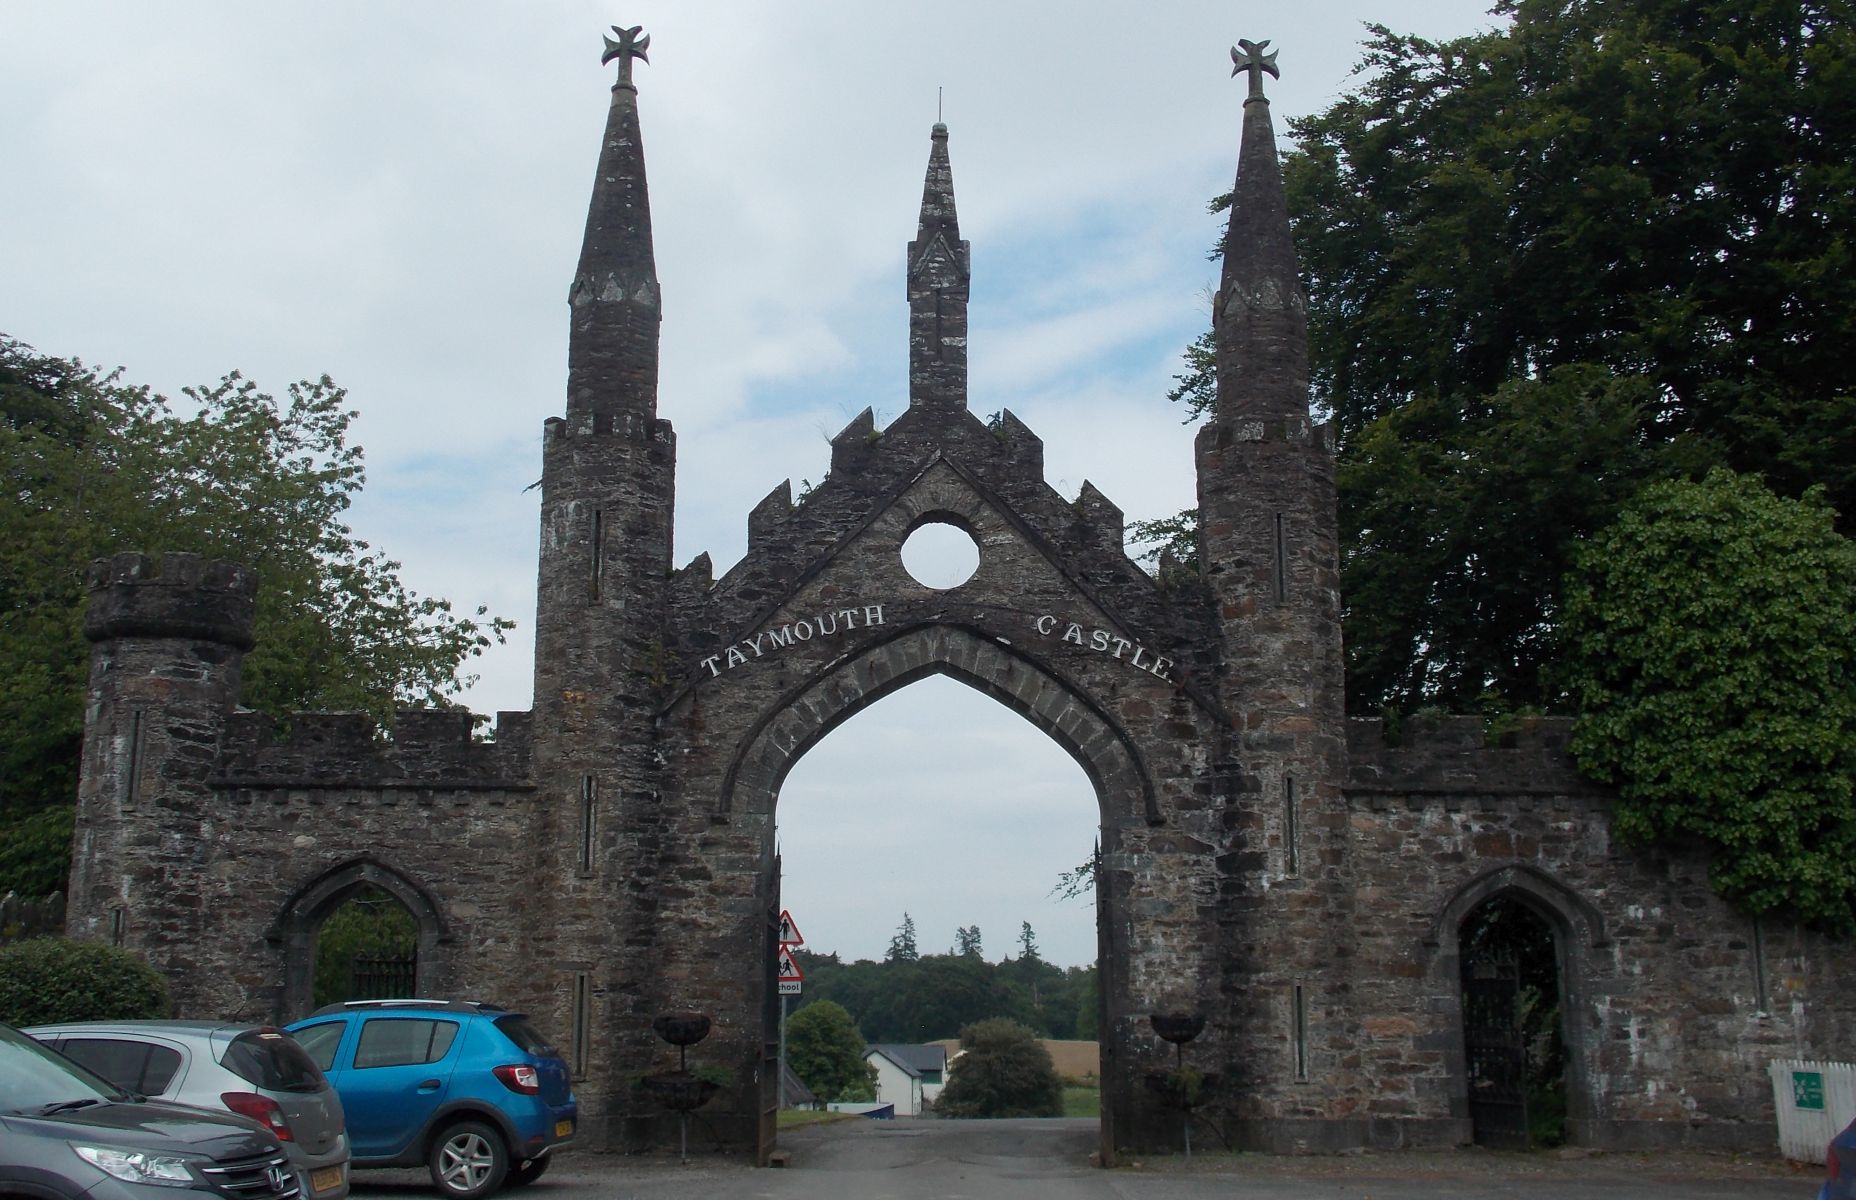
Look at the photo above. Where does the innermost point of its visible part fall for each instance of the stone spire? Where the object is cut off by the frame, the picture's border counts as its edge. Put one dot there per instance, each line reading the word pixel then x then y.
pixel 612 352
pixel 1260 313
pixel 940 269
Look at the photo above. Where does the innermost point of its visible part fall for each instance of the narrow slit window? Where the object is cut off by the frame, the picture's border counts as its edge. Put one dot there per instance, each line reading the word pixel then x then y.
pixel 1300 1004
pixel 1291 829
pixel 1759 966
pixel 132 784
pixel 589 811
pixel 1282 562
pixel 116 926
pixel 599 555
pixel 583 1000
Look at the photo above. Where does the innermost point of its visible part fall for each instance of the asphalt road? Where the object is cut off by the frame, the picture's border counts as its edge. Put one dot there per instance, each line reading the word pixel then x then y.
pixel 1049 1160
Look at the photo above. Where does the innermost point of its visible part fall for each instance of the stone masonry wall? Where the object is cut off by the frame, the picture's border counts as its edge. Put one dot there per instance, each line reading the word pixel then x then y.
pixel 1674 1003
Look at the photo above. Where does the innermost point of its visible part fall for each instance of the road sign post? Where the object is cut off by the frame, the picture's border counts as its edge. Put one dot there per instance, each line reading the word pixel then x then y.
pixel 789 979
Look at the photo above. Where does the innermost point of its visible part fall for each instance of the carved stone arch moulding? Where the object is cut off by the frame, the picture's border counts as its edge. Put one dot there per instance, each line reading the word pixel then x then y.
pixel 1572 916
pixel 1091 736
pixel 302 915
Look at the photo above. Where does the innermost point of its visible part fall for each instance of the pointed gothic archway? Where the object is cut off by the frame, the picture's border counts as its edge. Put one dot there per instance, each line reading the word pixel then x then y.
pixel 1511 935
pixel 1107 755
pixel 303 915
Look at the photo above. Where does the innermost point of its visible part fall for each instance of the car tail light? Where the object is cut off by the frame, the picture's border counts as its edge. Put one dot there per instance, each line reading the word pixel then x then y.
pixel 519 1079
pixel 261 1109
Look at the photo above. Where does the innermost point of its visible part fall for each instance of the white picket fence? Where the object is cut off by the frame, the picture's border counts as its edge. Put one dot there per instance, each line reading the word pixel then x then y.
pixel 1814 1101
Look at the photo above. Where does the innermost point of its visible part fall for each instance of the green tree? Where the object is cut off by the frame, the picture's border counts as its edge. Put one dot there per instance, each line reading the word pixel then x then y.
pixel 1606 243
pixel 825 1050
pixel 1711 634
pixel 902 946
pixel 35 848
pixel 1647 202
pixel 1004 1072
pixel 92 466
pixel 967 942
pixel 1462 526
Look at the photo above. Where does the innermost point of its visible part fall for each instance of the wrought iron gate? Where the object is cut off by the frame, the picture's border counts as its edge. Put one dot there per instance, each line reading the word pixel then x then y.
pixel 1495 1049
pixel 386 977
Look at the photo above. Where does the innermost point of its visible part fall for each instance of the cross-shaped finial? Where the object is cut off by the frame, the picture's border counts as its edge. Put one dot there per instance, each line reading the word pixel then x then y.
pixel 628 47
pixel 1251 58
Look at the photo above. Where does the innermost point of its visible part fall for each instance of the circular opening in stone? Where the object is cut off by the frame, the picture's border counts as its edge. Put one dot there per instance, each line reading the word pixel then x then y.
pixel 941 555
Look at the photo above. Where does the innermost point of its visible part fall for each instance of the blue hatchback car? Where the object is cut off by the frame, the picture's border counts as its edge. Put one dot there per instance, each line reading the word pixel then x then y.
pixel 471 1091
pixel 1840 1166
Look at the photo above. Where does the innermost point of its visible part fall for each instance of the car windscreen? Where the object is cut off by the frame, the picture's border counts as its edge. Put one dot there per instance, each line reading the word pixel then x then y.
pixel 272 1061
pixel 516 1028
pixel 36 1080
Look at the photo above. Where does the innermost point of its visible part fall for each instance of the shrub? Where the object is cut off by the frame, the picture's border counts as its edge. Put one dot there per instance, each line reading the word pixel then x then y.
pixel 43 980
pixel 1713 654
pixel 1005 1072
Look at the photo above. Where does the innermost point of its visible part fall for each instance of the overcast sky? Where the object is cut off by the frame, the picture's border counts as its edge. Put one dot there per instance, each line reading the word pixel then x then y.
pixel 394 194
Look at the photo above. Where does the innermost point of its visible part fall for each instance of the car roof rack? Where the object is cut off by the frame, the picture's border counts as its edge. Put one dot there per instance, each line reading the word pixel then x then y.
pixel 470 1006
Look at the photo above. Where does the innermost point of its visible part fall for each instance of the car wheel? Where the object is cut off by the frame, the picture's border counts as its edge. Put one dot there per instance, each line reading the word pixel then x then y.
pixel 468 1161
pixel 529 1171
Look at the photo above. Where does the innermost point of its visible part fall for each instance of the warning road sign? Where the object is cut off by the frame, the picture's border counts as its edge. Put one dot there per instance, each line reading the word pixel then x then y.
pixel 789 968
pixel 789 932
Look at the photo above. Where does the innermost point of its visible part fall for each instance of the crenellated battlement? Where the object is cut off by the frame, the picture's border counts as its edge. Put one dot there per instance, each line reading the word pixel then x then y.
pixel 1101 517
pixel 627 426
pixel 426 748
pixel 1456 755
pixel 774 510
pixel 170 596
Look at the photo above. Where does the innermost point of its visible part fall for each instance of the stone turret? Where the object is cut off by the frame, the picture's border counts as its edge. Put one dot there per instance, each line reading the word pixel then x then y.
pixel 608 468
pixel 1269 552
pixel 169 636
pixel 940 272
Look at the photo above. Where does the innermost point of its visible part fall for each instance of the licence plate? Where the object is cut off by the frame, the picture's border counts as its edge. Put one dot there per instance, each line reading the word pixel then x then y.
pixel 327 1179
pixel 563 1129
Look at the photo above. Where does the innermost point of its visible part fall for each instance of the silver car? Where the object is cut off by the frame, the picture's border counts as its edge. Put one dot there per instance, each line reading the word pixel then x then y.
pixel 253 1070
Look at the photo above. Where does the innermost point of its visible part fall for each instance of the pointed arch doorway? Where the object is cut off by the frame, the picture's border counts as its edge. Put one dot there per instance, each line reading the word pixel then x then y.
pixel 1514 1006
pixel 1109 762
pixel 936 802
pixel 935 809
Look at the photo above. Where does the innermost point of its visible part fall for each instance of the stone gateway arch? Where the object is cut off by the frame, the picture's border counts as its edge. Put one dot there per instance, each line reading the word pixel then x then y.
pixel 1268 866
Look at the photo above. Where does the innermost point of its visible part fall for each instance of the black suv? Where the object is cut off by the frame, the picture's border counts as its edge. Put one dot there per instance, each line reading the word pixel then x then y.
pixel 66 1134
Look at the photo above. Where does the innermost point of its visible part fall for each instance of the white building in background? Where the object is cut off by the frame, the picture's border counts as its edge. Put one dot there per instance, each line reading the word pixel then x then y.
pixel 907 1076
